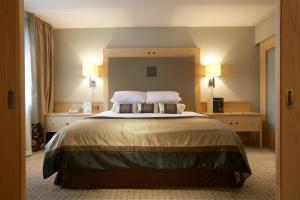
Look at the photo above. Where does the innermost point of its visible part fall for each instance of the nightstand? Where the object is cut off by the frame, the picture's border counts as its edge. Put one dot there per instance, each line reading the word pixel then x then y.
pixel 241 121
pixel 55 121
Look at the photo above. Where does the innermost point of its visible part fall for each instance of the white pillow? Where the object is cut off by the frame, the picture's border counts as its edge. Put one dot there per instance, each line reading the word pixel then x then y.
pixel 129 97
pixel 170 97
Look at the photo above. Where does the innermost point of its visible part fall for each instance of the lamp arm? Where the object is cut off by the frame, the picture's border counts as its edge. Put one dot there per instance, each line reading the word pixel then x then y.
pixel 92 81
pixel 211 82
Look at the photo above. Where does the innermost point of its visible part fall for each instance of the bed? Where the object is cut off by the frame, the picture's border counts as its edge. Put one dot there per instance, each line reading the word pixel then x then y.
pixel 149 150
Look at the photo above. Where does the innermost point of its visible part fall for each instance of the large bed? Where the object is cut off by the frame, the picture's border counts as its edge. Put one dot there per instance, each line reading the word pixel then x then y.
pixel 148 150
pixel 111 150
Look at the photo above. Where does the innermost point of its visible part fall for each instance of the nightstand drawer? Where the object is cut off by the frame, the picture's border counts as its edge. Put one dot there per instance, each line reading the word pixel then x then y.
pixel 55 123
pixel 249 124
pixel 242 123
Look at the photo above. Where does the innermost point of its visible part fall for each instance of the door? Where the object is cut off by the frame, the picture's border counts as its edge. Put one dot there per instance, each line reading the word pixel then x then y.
pixel 12 165
pixel 289 145
pixel 267 90
pixel 271 110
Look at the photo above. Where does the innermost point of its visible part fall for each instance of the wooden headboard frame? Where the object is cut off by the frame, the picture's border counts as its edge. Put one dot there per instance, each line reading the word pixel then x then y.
pixel 150 53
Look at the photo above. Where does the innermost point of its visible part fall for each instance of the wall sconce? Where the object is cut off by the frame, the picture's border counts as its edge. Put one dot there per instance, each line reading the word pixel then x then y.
pixel 90 70
pixel 212 70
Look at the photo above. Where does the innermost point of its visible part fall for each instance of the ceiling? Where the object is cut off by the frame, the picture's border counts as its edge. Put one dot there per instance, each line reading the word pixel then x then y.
pixel 150 13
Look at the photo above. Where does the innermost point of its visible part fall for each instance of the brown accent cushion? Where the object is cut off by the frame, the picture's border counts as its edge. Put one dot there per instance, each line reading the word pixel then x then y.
pixel 147 108
pixel 126 108
pixel 170 108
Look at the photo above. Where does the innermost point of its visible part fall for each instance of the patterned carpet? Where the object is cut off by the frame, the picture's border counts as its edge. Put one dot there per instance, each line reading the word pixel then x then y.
pixel 260 186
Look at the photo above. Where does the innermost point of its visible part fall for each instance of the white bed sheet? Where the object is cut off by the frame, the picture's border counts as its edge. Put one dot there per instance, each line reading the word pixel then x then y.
pixel 146 115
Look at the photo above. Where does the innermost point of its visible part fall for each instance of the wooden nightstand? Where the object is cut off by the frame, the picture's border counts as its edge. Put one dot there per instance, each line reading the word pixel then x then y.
pixel 241 121
pixel 55 121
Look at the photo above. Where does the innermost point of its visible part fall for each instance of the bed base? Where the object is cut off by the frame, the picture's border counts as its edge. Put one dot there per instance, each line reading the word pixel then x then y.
pixel 145 178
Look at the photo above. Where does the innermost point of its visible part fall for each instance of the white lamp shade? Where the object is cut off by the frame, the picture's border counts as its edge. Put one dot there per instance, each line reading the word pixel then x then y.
pixel 213 70
pixel 90 69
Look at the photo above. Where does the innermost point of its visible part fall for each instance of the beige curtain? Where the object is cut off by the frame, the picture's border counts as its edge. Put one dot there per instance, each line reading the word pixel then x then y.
pixel 42 52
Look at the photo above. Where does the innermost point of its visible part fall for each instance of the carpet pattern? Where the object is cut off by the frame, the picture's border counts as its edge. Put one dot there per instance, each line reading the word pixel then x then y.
pixel 260 186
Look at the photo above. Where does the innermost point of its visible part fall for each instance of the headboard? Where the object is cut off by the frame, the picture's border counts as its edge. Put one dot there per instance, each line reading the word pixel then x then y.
pixel 176 69
pixel 172 74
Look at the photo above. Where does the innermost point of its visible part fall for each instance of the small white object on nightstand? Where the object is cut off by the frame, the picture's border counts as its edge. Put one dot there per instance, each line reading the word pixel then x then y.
pixel 87 107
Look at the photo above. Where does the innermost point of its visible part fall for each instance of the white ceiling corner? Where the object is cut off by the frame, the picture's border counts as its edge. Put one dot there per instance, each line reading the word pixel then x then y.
pixel 153 13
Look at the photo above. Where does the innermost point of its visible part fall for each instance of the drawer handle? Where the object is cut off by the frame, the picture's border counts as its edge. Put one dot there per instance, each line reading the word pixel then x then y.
pixel 231 123
pixel 236 123
pixel 67 123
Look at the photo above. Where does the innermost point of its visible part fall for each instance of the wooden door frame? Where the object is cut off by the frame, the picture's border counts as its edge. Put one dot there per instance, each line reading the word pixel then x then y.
pixel 12 14
pixel 287 141
pixel 22 103
pixel 264 47
pixel 278 136
pixel 278 187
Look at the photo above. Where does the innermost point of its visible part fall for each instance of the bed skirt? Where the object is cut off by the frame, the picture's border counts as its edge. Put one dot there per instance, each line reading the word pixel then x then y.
pixel 145 178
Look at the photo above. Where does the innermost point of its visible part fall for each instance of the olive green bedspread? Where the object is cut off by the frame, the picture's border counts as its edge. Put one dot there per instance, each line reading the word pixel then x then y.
pixel 156 143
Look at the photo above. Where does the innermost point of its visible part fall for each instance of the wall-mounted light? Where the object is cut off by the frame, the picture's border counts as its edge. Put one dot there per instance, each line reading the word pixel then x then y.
pixel 90 70
pixel 212 70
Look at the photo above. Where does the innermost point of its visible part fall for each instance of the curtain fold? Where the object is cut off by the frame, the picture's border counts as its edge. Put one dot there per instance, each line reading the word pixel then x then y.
pixel 42 51
pixel 41 94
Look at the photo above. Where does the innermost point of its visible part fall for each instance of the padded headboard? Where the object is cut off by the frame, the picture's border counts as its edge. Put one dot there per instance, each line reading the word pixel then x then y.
pixel 172 73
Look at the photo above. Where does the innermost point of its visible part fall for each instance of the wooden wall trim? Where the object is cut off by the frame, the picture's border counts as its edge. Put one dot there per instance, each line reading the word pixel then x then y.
pixel 151 52
pixel 64 106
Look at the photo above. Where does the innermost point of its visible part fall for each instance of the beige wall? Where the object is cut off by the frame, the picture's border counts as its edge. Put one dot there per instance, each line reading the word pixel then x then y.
pixel 233 47
pixel 265 29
